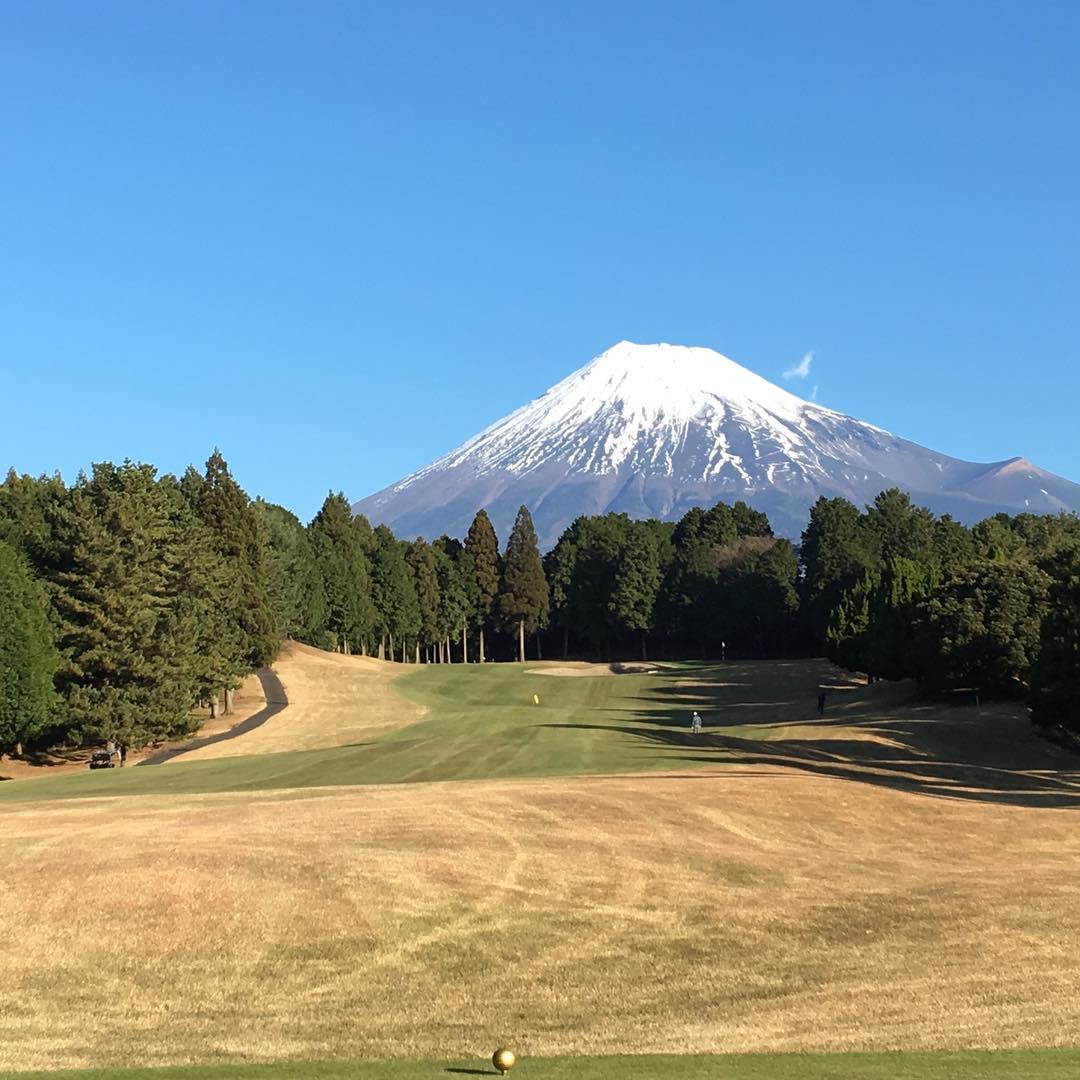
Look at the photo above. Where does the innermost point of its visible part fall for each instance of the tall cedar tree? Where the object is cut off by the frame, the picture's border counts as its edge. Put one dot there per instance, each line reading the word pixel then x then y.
pixel 128 673
pixel 457 592
pixel 637 582
pixel 523 601
pixel 237 533
pixel 421 560
pixel 203 584
pixel 339 554
pixel 560 565
pixel 397 610
pixel 483 547
pixel 294 584
pixel 28 659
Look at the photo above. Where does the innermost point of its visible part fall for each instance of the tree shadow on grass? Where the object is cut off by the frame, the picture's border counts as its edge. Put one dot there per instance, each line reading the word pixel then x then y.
pixel 276 700
pixel 882 734
pixel 868 762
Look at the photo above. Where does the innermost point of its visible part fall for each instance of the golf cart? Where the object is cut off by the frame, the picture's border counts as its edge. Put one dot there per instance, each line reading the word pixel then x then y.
pixel 104 759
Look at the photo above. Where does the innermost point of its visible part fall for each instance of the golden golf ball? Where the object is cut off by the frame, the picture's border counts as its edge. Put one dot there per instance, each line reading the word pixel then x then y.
pixel 503 1060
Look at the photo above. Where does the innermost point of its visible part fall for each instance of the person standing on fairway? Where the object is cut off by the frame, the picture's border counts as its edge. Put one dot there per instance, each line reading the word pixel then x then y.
pixel 821 703
pixel 695 724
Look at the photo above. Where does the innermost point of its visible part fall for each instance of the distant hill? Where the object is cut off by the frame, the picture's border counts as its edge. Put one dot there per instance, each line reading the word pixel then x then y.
pixel 652 430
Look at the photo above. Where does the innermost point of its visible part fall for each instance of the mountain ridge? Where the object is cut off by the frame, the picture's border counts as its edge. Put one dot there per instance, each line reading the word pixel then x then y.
pixel 654 429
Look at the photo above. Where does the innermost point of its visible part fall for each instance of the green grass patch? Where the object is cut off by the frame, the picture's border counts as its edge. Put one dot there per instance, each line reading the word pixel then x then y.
pixel 968 1065
pixel 482 723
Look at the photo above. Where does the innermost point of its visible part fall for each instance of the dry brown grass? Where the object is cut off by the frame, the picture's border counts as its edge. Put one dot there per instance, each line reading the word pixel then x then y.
pixel 741 908
pixel 334 700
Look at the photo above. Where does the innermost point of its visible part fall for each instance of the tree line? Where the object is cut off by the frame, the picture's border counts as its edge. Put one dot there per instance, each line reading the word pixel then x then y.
pixel 127 597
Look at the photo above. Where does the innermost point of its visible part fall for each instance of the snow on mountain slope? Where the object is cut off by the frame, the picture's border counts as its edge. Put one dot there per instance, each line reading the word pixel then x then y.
pixel 655 429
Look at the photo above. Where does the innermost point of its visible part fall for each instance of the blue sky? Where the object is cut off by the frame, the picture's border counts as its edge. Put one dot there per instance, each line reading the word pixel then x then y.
pixel 336 239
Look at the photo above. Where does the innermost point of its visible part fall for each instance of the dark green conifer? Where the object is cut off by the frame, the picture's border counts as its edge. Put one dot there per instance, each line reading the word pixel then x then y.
pixel 523 600
pixel 129 669
pixel 483 548
pixel 28 659
pixel 338 549
pixel 421 560
pixel 397 611
pixel 238 534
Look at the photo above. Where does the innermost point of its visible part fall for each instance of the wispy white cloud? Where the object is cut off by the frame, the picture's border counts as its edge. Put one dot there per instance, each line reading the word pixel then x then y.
pixel 813 393
pixel 802 368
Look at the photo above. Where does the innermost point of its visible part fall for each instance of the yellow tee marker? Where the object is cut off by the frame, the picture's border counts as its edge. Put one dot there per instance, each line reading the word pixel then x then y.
pixel 536 699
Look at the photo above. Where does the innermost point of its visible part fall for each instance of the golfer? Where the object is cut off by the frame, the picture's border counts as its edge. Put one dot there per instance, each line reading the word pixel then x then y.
pixel 695 724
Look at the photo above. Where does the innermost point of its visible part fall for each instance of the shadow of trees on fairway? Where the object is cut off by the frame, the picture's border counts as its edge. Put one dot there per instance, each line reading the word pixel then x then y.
pixel 276 700
pixel 881 734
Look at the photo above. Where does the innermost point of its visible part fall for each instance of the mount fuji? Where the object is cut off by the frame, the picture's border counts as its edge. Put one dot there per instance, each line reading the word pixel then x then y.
pixel 652 430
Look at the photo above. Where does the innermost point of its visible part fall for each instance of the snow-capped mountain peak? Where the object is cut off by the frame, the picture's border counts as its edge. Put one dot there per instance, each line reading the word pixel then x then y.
pixel 641 405
pixel 654 429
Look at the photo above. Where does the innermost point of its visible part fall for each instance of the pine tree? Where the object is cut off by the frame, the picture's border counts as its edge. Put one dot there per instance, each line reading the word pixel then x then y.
pixel 523 600
pixel 483 548
pixel 28 659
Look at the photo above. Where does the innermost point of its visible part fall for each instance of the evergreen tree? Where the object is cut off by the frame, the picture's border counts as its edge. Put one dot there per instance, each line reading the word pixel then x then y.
pixel 637 582
pixel 560 570
pixel 835 556
pixel 483 549
pixel 421 560
pixel 755 601
pixel 397 611
pixel 889 648
pixel 690 591
pixel 199 588
pixel 294 583
pixel 1055 675
pixel 456 582
pixel 238 534
pixel 898 529
pixel 523 600
pixel 128 670
pixel 339 555
pixel 28 659
pixel 953 544
pixel 981 628
pixel 588 602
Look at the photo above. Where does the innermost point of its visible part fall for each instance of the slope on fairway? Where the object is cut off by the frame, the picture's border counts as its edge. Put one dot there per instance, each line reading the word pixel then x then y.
pixel 477 720
pixel 334 700
pixel 480 721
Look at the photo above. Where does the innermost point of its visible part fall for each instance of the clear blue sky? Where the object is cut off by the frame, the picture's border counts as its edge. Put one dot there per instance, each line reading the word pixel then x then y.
pixel 336 239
